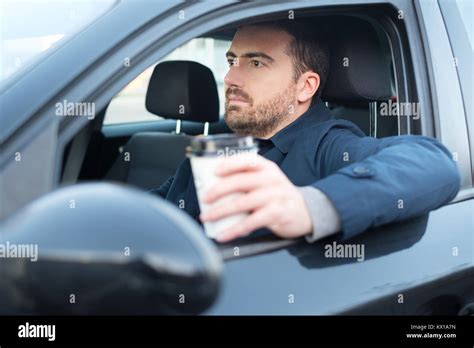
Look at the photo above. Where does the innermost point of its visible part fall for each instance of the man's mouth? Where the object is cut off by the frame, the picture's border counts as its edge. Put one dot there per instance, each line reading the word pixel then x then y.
pixel 236 99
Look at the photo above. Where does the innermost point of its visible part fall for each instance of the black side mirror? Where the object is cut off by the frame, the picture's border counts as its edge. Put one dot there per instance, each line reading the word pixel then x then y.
pixel 105 249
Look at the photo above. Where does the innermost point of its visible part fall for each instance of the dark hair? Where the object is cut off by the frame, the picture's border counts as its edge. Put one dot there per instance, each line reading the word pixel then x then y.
pixel 308 49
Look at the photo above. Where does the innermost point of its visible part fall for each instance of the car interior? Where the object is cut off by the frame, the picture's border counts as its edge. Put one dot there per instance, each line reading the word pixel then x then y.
pixel 361 77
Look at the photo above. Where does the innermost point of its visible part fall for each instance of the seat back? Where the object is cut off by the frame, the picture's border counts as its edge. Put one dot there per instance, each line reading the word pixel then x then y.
pixel 148 159
pixel 360 75
pixel 180 90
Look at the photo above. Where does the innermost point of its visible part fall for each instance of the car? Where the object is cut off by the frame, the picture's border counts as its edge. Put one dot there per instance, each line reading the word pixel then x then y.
pixel 104 241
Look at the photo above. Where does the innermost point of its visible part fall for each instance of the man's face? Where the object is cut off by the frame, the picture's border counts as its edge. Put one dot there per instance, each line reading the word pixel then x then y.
pixel 259 87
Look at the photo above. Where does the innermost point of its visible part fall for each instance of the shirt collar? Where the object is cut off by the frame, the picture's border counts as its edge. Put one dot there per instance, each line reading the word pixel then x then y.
pixel 286 137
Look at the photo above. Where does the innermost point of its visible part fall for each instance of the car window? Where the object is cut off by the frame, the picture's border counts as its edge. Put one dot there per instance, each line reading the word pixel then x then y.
pixel 466 8
pixel 29 29
pixel 129 105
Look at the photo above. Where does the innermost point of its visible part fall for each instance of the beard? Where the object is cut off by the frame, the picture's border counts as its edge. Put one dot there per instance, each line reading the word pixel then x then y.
pixel 261 119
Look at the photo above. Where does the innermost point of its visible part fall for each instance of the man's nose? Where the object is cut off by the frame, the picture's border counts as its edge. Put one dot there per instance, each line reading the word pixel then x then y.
pixel 233 77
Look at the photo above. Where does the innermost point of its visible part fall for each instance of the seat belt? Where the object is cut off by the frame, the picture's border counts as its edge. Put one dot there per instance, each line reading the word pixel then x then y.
pixel 76 155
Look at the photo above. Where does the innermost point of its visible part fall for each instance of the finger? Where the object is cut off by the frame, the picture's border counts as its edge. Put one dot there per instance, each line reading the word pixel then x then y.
pixel 242 182
pixel 239 163
pixel 244 203
pixel 261 218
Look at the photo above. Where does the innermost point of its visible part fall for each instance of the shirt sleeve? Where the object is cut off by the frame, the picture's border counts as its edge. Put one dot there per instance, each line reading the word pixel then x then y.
pixel 163 189
pixel 371 182
pixel 324 215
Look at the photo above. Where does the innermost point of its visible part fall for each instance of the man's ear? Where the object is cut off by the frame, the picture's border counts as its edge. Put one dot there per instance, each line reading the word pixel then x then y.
pixel 308 85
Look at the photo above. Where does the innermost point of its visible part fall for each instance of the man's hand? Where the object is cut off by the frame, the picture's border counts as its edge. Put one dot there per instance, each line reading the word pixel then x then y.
pixel 271 200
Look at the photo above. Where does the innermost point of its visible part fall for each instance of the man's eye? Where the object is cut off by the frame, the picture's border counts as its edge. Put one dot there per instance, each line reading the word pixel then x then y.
pixel 256 63
pixel 232 62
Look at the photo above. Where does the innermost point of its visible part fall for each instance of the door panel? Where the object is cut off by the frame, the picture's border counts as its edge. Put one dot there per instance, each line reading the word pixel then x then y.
pixel 417 256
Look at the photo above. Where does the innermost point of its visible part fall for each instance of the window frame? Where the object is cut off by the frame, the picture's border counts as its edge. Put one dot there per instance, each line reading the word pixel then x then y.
pixel 445 90
pixel 460 45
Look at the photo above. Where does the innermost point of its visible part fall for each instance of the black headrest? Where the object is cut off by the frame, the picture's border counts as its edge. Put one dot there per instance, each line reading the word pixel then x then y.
pixel 359 68
pixel 183 90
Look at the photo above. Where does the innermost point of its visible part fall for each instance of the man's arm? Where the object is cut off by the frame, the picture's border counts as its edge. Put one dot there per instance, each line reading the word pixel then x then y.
pixel 371 182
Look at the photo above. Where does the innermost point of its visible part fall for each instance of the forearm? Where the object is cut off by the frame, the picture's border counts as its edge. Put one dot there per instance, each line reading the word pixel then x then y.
pixel 401 180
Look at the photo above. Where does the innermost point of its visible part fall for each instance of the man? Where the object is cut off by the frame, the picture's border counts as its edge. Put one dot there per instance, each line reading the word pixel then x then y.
pixel 301 184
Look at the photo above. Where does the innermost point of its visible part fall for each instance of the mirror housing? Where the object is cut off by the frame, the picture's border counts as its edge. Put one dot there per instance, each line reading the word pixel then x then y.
pixel 105 249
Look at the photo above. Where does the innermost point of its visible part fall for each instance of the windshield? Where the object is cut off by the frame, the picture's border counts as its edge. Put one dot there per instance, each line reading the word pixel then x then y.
pixel 29 28
pixel 466 10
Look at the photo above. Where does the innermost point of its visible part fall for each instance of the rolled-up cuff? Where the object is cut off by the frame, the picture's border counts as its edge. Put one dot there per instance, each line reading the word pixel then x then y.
pixel 323 214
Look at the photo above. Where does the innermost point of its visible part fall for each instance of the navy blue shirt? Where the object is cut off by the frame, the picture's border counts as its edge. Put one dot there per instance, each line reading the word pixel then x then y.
pixel 369 181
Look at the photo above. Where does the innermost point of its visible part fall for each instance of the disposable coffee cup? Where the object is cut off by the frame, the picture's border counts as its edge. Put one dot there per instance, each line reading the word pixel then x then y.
pixel 205 153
